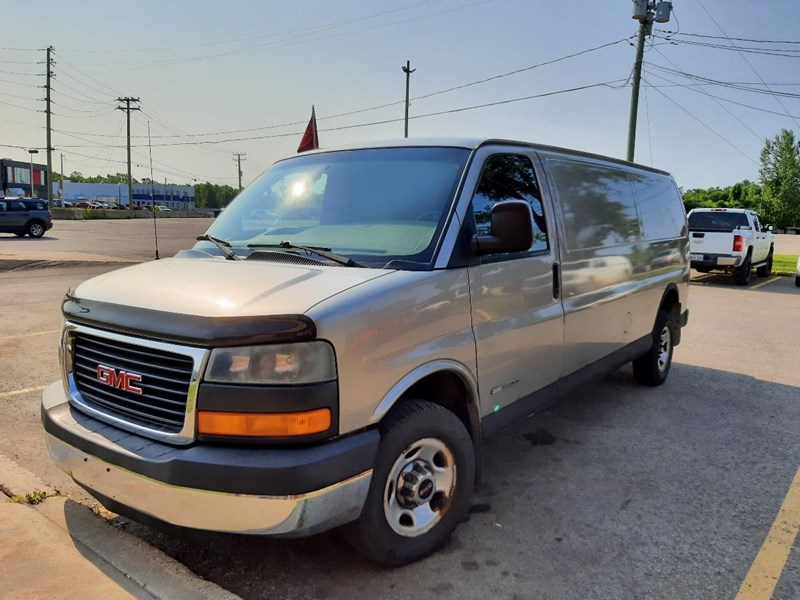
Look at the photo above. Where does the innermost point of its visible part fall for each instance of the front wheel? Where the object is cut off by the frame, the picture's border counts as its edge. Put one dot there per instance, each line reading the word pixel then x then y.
pixel 652 367
pixel 421 485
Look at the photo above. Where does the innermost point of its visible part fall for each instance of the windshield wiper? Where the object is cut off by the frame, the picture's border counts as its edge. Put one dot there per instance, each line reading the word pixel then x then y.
pixel 223 245
pixel 319 250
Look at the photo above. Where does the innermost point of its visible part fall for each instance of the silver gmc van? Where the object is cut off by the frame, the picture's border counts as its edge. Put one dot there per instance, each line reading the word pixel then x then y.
pixel 334 350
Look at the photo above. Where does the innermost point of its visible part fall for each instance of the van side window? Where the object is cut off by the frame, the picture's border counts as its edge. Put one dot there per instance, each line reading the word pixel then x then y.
pixel 509 177
pixel 598 203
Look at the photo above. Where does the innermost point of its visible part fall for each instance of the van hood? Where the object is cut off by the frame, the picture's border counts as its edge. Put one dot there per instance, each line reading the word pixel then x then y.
pixel 215 288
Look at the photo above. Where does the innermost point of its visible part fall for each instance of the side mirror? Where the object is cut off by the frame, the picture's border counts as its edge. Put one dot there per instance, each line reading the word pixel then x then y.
pixel 769 228
pixel 512 229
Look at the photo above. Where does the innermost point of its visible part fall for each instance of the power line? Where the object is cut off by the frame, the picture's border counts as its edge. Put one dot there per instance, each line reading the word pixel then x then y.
pixel 781 52
pixel 20 83
pixel 262 36
pixel 389 104
pixel 609 84
pixel 745 125
pixel 738 87
pixel 742 123
pixel 711 129
pixel 286 44
pixel 744 58
pixel 736 39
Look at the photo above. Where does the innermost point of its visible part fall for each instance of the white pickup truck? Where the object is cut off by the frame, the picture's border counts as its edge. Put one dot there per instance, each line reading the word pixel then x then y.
pixel 732 240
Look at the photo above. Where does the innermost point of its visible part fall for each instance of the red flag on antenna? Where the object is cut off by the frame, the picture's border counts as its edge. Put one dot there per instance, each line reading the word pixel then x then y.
pixel 310 139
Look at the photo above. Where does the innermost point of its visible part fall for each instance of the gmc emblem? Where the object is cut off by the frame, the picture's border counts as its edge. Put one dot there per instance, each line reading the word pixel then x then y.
pixel 118 379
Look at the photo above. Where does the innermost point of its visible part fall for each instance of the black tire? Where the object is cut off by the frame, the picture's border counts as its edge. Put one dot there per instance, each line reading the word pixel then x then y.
pixel 741 276
pixel 653 367
pixel 797 280
pixel 765 270
pixel 36 229
pixel 410 424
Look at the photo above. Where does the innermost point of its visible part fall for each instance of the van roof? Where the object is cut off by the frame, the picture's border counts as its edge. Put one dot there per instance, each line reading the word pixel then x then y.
pixel 473 143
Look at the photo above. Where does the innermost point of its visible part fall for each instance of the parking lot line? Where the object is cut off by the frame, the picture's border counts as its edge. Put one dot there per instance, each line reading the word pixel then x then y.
pixel 38 388
pixel 763 283
pixel 23 335
pixel 769 563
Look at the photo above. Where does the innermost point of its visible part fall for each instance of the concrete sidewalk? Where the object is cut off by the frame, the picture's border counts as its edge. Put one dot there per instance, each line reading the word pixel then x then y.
pixel 61 549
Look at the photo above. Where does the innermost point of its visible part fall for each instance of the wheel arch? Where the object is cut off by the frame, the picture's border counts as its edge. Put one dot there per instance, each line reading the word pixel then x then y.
pixel 671 303
pixel 449 384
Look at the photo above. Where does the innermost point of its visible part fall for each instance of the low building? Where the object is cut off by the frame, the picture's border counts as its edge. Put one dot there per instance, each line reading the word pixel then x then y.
pixel 173 196
pixel 15 175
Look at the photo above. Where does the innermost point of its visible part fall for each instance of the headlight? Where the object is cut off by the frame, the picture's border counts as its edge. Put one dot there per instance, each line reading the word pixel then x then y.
pixel 307 362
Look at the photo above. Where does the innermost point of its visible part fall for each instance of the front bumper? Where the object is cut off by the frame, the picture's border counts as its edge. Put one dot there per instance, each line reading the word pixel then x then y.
pixel 289 492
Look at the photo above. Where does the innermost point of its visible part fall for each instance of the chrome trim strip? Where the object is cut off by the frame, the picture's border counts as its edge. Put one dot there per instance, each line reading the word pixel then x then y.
pixel 287 516
pixel 199 358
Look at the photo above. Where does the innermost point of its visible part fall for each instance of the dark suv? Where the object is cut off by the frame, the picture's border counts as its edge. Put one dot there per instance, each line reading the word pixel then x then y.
pixel 22 217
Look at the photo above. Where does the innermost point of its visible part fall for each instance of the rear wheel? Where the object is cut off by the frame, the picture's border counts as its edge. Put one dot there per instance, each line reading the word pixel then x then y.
pixel 742 274
pixel 765 270
pixel 35 229
pixel 421 485
pixel 652 367
pixel 797 280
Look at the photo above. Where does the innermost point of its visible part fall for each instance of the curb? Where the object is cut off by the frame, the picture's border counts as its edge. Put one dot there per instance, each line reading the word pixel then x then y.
pixel 148 569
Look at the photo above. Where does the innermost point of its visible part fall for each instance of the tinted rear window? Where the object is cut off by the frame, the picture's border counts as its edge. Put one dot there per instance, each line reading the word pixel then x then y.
pixel 717 221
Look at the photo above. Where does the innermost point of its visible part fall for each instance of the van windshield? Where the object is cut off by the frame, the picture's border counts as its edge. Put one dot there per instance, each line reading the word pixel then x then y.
pixel 375 206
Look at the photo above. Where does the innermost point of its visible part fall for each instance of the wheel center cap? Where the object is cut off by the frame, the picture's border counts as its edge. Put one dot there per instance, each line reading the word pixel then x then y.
pixel 415 485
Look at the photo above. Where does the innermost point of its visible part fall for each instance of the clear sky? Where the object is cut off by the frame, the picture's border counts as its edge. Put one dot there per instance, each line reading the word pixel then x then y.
pixel 243 76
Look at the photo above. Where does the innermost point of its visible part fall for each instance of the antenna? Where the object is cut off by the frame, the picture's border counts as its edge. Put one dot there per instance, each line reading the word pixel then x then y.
pixel 152 188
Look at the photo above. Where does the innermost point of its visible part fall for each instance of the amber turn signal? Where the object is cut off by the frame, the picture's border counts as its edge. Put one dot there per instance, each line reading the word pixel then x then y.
pixel 263 424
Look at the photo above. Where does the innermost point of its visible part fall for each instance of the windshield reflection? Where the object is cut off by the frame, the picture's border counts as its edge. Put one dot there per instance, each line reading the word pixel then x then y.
pixel 373 205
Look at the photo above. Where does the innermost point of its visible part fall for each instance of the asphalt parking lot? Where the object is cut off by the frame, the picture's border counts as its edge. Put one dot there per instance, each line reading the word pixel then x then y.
pixel 669 492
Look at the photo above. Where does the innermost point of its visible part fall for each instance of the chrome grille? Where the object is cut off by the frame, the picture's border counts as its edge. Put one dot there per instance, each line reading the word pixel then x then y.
pixel 165 381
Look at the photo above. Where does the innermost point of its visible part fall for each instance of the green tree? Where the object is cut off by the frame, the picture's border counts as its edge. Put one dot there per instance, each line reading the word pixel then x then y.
pixel 780 179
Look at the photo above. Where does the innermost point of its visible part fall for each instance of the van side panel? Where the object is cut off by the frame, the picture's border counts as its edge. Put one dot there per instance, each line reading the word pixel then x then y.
pixel 610 291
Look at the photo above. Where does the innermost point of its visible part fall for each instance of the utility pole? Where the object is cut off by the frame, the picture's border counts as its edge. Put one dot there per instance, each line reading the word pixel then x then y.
pixel 238 157
pixel 643 11
pixel 408 71
pixel 48 112
pixel 61 183
pixel 128 108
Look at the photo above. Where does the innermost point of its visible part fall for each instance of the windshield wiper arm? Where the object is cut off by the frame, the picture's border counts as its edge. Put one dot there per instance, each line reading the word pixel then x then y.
pixel 319 250
pixel 223 245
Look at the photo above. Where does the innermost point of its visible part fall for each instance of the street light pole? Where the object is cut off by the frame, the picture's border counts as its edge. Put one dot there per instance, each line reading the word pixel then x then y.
pixel 32 151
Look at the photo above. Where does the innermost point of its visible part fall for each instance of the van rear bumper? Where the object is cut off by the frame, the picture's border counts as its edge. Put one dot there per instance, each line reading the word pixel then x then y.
pixel 287 491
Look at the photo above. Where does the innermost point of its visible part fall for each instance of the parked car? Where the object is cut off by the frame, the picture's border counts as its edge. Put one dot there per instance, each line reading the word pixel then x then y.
pixel 797 273
pixel 348 368
pixel 25 217
pixel 160 208
pixel 731 240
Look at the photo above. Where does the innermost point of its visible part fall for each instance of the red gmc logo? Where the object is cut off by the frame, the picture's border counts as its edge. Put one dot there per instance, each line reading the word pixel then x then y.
pixel 118 379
